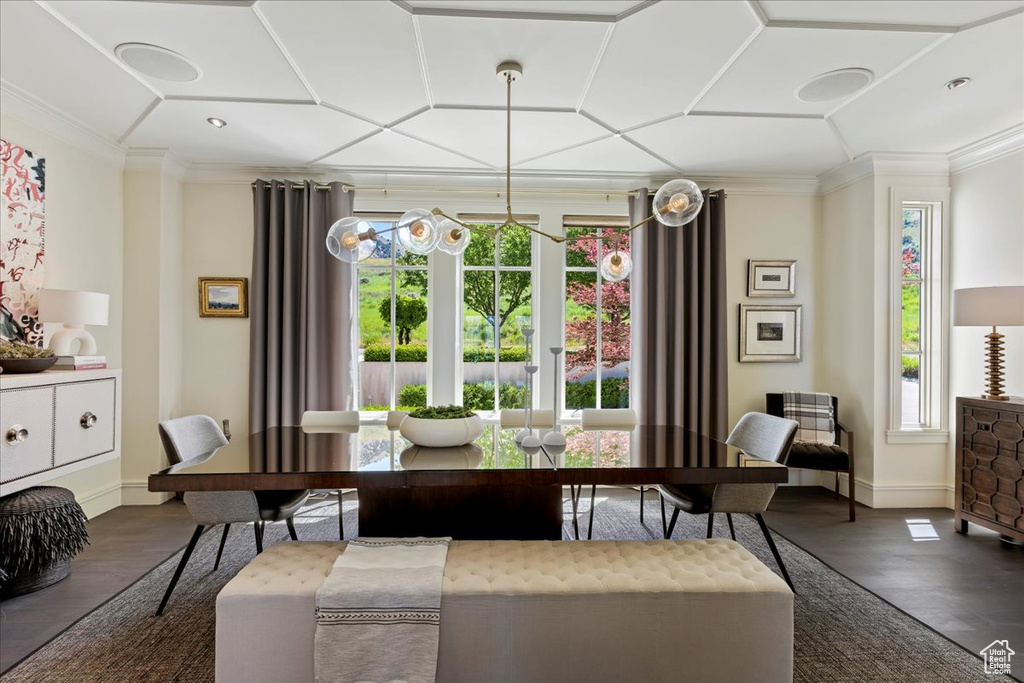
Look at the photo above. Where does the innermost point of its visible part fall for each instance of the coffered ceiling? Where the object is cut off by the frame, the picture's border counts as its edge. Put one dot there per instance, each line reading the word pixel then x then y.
pixel 609 88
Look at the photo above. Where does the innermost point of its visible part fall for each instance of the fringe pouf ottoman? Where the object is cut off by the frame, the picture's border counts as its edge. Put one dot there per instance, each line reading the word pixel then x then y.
pixel 41 529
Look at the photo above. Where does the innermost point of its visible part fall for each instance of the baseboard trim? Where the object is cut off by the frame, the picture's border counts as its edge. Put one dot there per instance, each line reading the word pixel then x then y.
pixel 101 500
pixel 138 493
pixel 912 495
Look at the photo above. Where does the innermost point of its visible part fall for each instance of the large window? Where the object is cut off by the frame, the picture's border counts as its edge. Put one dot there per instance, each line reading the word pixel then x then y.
pixel 392 326
pixel 918 312
pixel 597 320
pixel 497 294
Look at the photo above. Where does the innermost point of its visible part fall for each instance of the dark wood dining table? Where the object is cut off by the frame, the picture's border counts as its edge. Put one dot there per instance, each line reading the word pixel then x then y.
pixel 490 489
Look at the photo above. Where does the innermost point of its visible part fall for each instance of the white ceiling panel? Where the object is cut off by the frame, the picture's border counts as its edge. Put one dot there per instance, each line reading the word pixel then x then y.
pixel 481 134
pixel 605 7
pixel 360 56
pixel 46 59
pixel 392 151
pixel 743 144
pixel 610 155
pixel 945 13
pixel 766 76
pixel 256 133
pixel 463 54
pixel 914 112
pixel 229 44
pixel 660 59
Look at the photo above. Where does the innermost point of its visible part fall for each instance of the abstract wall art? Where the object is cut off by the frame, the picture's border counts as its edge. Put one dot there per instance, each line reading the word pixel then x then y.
pixel 22 242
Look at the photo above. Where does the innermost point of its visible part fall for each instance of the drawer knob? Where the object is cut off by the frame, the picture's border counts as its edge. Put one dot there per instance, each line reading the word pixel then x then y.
pixel 88 420
pixel 16 434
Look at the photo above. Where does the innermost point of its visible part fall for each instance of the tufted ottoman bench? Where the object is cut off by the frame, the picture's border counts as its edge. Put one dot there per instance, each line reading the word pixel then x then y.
pixel 539 611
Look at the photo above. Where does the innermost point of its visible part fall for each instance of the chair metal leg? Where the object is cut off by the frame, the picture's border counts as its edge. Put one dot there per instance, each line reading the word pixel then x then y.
pixel 257 528
pixel 590 525
pixel 341 519
pixel 291 528
pixel 732 531
pixel 641 504
pixel 220 550
pixel 664 523
pixel 181 567
pixel 711 524
pixel 775 551
pixel 672 523
pixel 836 496
pixel 574 496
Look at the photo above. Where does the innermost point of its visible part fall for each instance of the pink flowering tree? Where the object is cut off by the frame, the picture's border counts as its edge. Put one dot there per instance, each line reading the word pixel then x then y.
pixel 614 311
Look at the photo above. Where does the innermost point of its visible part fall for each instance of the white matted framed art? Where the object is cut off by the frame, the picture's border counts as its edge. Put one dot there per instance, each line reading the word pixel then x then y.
pixel 770 334
pixel 771 278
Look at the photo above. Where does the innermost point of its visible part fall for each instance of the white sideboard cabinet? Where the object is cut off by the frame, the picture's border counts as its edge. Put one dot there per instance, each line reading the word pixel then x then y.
pixel 56 422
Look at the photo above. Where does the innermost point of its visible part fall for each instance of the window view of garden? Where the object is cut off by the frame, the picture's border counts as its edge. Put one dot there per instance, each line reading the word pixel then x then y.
pixel 913 283
pixel 597 328
pixel 391 329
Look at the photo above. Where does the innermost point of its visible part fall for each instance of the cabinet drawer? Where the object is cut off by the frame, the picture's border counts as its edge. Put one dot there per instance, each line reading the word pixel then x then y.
pixel 84 420
pixel 32 411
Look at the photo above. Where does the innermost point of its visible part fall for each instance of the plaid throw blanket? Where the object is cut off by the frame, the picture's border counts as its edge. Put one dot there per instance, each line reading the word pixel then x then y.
pixel 813 412
pixel 378 613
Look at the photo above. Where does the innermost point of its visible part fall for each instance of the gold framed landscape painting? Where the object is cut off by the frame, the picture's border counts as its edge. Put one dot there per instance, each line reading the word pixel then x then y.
pixel 224 297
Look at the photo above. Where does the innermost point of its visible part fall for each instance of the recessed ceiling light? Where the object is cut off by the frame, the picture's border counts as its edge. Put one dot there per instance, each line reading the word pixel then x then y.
pixel 958 82
pixel 216 123
pixel 834 85
pixel 158 62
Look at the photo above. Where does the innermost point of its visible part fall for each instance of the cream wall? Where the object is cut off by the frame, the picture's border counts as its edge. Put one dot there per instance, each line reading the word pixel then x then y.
pixel 987 249
pixel 84 230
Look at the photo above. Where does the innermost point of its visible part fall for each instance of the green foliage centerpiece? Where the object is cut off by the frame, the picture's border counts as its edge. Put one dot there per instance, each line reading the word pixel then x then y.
pixel 16 357
pixel 442 426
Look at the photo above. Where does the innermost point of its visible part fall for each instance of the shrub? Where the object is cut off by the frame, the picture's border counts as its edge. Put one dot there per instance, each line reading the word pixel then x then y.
pixel 475 396
pixel 413 395
pixel 413 353
pixel 911 367
pixel 614 393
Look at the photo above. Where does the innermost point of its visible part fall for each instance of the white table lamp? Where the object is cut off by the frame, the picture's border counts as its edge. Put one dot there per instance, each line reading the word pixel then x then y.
pixel 75 310
pixel 990 307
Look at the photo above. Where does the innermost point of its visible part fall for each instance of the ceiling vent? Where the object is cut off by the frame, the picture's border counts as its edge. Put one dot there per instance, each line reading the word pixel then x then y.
pixel 158 62
pixel 834 85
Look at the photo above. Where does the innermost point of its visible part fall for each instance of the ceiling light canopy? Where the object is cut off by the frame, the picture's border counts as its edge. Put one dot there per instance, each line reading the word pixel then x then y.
pixel 834 85
pixel 420 231
pixel 158 62
pixel 216 123
pixel 958 83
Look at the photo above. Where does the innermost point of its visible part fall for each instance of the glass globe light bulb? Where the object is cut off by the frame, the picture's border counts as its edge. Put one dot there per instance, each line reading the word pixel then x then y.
pixel 351 240
pixel 531 444
pixel 417 231
pixel 616 266
pixel 677 202
pixel 454 238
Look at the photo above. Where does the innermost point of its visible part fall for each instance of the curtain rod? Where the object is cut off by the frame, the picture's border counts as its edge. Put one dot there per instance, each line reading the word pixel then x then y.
pixel 412 188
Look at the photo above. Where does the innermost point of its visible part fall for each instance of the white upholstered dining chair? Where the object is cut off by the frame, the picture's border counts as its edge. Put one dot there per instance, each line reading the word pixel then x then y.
pixel 328 422
pixel 603 419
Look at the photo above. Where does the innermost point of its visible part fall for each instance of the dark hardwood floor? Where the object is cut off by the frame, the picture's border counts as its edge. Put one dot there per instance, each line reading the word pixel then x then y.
pixel 966 587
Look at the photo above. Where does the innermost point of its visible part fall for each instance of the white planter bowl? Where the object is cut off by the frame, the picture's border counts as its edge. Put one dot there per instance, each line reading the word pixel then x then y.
pixel 442 433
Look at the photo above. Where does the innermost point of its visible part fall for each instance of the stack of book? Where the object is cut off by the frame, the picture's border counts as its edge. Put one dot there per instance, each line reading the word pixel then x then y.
pixel 80 363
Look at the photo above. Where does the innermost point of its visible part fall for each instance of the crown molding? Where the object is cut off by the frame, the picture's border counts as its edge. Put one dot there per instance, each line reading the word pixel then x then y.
pixel 987 149
pixel 883 163
pixel 155 159
pixel 32 111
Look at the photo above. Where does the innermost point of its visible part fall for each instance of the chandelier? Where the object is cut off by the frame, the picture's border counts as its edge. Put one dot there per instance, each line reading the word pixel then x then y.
pixel 420 231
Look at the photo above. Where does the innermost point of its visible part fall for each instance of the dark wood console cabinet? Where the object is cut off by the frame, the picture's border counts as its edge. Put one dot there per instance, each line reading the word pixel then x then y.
pixel 990 465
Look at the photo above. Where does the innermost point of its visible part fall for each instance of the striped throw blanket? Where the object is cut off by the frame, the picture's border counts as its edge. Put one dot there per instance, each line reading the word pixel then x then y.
pixel 813 413
pixel 378 613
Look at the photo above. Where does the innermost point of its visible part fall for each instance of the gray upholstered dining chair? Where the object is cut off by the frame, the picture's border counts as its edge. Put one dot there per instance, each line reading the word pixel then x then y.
pixel 193 440
pixel 756 434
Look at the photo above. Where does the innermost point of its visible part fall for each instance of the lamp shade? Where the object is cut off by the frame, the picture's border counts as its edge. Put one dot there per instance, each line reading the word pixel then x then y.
pixel 988 306
pixel 73 308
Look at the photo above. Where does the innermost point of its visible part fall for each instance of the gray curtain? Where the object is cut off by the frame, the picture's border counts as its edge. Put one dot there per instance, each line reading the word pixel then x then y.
pixel 303 336
pixel 680 362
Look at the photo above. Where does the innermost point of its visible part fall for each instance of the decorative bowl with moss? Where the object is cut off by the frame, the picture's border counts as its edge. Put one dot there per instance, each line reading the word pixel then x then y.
pixel 442 426
pixel 18 358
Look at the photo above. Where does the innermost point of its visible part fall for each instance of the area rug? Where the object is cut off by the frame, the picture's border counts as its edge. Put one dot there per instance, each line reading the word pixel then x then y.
pixel 844 633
